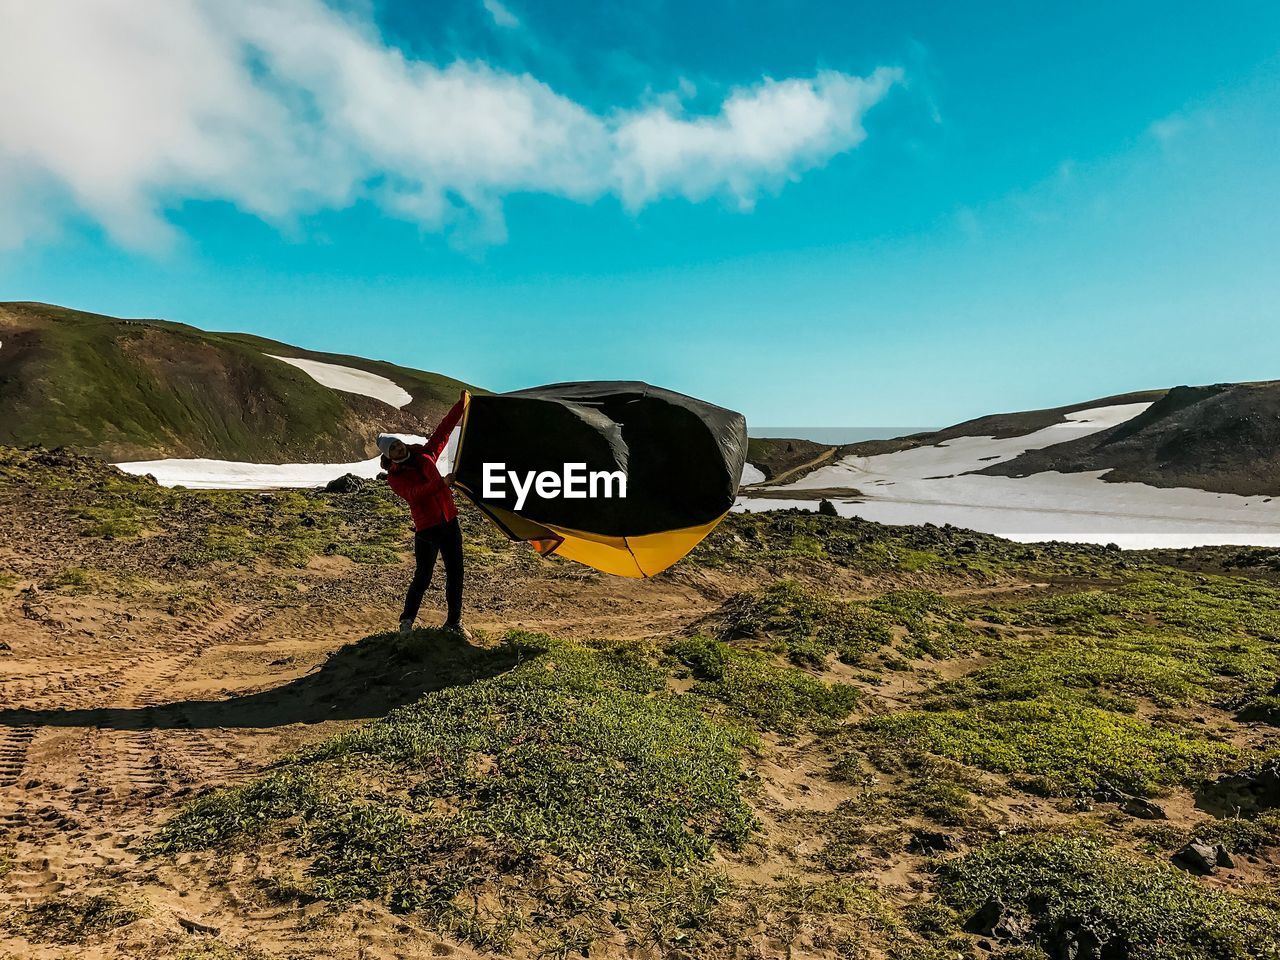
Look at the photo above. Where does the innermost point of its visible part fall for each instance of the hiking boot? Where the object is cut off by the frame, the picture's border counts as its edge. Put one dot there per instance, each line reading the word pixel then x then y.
pixel 459 629
pixel 406 625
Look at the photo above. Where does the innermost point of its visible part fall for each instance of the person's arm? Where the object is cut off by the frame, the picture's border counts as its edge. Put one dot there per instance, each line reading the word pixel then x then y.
pixel 435 446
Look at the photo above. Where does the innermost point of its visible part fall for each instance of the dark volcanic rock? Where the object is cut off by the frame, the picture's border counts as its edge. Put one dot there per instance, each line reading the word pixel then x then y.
pixel 931 841
pixel 347 483
pixel 1202 858
pixel 1249 791
pixel 1144 809
pixel 1075 938
pixel 993 919
pixel 986 918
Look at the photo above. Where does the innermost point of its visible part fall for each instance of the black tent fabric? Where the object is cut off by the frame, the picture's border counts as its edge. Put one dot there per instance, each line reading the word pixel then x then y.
pixel 682 459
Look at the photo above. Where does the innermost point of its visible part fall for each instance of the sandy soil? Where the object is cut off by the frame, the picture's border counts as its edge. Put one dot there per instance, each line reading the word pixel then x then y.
pixel 114 714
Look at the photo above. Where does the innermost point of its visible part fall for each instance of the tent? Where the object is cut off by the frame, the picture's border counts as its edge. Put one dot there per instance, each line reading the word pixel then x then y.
pixel 681 458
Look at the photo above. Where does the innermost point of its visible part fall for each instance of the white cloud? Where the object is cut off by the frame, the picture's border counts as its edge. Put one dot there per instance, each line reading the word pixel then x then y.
pixel 762 135
pixel 119 110
pixel 502 16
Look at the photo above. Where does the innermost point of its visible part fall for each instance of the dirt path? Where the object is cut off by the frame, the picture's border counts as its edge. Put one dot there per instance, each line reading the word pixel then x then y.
pixel 109 722
pixel 803 468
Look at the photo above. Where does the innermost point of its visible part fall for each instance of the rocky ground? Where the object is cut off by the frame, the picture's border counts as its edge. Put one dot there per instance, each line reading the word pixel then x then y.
pixel 815 737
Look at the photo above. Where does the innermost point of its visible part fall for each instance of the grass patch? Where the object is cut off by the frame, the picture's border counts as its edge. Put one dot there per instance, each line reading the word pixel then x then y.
pixel 1104 673
pixel 1146 911
pixel 809 627
pixel 1057 748
pixel 1198 607
pixel 806 625
pixel 75 580
pixel 860 830
pixel 567 795
pixel 827 917
pixel 771 695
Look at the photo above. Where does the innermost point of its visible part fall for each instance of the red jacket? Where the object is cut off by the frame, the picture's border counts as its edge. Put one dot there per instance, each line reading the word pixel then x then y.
pixel 418 481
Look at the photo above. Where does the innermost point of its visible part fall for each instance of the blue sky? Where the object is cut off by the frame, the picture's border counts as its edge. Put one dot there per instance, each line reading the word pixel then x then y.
pixel 824 214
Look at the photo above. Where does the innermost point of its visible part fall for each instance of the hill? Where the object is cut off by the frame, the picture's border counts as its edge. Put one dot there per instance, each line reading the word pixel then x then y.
pixel 137 389
pixel 780 459
pixel 1221 438
pixel 1224 438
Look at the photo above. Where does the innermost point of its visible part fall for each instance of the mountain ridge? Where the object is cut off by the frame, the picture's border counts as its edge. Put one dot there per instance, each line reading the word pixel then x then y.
pixel 139 389
pixel 1222 438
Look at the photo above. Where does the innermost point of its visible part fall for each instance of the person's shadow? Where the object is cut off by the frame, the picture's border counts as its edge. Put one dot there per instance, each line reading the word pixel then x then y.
pixel 361 680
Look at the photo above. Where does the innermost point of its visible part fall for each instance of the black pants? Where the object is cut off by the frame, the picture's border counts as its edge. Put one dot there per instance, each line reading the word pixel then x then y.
pixel 444 539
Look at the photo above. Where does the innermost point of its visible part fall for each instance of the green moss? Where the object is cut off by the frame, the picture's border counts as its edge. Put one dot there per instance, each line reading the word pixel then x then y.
pixel 933 623
pixel 1174 640
pixel 833 917
pixel 75 580
pixel 941 791
pixel 1101 674
pixel 781 541
pixel 570 781
pixel 810 626
pixel 773 696
pixel 1057 747
pixel 112 522
pixel 1146 911
pixel 199 528
pixel 1198 607
pixel 858 831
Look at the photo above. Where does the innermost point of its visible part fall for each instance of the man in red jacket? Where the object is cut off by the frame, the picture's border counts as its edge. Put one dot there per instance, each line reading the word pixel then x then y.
pixel 413 475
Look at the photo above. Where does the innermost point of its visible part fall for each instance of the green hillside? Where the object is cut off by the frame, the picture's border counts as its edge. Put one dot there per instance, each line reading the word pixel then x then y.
pixel 142 389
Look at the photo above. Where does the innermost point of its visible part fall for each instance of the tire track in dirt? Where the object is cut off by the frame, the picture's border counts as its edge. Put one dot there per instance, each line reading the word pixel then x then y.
pixel 82 834
pixel 139 767
pixel 14 743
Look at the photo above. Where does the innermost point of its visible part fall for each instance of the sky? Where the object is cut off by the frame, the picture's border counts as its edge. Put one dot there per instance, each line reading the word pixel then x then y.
pixel 817 213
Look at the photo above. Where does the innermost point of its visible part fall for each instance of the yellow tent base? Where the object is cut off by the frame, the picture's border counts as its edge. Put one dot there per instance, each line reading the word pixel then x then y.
pixel 643 556
pixel 637 557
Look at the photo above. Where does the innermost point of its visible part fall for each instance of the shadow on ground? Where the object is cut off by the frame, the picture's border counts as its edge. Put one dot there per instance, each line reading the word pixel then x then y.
pixel 360 681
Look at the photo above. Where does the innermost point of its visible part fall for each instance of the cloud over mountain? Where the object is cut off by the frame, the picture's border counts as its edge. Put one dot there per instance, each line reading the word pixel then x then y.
pixel 121 110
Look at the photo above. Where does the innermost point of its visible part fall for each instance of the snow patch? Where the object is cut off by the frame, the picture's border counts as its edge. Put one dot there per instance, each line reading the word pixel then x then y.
pixel 752 474
pixel 933 484
pixel 350 380
pixel 204 474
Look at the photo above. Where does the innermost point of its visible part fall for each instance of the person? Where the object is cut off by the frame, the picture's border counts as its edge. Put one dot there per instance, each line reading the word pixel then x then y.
pixel 412 473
